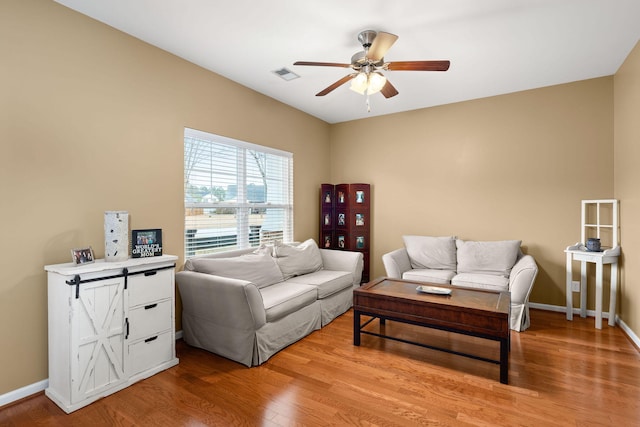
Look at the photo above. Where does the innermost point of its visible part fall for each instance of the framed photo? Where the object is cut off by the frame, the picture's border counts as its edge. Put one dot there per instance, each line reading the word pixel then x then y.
pixel 327 197
pixel 359 196
pixel 327 243
pixel 360 242
pixel 146 243
pixel 341 219
pixel 359 220
pixel 82 255
pixel 341 242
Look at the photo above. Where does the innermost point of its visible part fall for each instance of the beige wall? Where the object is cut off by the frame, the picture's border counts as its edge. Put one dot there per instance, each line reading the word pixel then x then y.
pixel 508 167
pixel 92 120
pixel 627 179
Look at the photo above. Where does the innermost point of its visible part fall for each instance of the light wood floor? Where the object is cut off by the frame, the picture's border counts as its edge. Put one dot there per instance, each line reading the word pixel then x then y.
pixel 560 374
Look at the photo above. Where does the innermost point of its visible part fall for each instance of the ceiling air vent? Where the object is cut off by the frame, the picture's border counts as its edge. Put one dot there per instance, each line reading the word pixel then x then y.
pixel 286 74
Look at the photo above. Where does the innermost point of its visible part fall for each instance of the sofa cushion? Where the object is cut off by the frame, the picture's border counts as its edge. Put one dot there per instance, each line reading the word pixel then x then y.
pixel 259 269
pixel 431 252
pixel 327 282
pixel 481 281
pixel 284 298
pixel 441 277
pixel 495 258
pixel 295 260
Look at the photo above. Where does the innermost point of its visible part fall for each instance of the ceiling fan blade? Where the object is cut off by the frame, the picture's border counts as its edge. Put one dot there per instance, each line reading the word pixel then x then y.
pixel 381 45
pixel 418 66
pixel 336 85
pixel 388 90
pixel 322 64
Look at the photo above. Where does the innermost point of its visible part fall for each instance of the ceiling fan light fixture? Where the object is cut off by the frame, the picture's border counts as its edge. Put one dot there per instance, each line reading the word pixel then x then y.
pixel 368 83
pixel 376 82
pixel 368 63
pixel 360 83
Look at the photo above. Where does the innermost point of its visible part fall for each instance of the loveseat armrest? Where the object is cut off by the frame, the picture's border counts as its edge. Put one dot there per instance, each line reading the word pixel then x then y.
pixel 227 302
pixel 396 263
pixel 523 274
pixel 351 261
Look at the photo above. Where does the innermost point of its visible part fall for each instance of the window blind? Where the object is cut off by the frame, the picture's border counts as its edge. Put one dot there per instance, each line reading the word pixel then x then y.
pixel 236 194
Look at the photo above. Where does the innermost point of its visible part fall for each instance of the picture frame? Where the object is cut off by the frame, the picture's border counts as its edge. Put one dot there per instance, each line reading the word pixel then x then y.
pixel 146 243
pixel 327 197
pixel 82 255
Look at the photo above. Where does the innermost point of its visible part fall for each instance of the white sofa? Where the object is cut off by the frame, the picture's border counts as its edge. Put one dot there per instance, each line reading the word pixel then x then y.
pixel 498 265
pixel 246 305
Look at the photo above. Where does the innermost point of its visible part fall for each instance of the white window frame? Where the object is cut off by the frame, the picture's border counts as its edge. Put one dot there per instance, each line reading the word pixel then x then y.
pixel 244 208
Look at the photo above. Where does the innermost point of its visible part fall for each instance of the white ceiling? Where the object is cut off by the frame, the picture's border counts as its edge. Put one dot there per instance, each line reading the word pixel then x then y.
pixel 495 46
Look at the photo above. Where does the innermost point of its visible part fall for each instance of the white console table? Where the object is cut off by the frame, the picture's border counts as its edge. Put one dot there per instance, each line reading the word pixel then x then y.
pixel 578 252
pixel 599 219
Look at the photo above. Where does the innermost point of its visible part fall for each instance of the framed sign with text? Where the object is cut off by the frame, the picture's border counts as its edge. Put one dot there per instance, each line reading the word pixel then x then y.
pixel 146 243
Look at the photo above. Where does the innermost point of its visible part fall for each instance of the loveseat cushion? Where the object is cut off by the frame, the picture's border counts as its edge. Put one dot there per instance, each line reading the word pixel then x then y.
pixel 481 281
pixel 327 282
pixel 284 298
pixel 437 253
pixel 495 258
pixel 441 277
pixel 258 268
pixel 295 260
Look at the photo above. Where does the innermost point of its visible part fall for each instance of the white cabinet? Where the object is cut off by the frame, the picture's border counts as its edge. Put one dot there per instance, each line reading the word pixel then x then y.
pixel 110 324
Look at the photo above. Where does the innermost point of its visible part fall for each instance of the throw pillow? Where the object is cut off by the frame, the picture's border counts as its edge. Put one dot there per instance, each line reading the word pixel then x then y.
pixel 259 269
pixel 295 260
pixel 437 253
pixel 264 249
pixel 495 258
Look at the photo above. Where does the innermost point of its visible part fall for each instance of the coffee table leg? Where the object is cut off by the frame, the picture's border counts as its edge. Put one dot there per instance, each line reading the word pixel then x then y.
pixel 356 327
pixel 504 361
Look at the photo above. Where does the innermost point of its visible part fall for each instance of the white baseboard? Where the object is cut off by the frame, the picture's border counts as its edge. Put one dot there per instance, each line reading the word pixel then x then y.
pixel 591 313
pixel 23 392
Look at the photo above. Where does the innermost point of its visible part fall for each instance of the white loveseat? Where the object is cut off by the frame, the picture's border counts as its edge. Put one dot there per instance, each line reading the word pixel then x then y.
pixel 246 305
pixel 497 265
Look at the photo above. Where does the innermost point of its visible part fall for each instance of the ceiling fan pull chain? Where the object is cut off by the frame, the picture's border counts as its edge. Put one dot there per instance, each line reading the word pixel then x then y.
pixel 368 105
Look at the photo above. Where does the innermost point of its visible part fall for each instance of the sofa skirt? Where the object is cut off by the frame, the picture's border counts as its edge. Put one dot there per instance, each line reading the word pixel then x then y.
pixel 274 336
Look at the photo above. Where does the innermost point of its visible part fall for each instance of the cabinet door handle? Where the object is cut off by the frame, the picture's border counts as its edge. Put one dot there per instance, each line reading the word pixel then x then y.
pixel 150 306
pixel 150 273
pixel 126 322
pixel 151 339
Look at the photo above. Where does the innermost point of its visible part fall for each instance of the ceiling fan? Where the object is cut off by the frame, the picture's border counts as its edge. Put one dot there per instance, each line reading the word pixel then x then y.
pixel 368 64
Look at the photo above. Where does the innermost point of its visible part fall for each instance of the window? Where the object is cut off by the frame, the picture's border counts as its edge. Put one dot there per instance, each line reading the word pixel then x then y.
pixel 236 194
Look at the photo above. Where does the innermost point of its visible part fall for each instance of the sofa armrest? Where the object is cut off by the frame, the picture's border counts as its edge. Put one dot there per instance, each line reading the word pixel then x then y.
pixel 227 302
pixel 396 263
pixel 350 261
pixel 523 274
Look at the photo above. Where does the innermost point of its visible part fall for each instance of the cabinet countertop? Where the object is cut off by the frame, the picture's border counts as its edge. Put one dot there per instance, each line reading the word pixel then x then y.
pixel 69 268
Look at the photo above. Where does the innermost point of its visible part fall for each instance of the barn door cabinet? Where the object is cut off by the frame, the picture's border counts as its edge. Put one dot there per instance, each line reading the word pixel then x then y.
pixel 111 324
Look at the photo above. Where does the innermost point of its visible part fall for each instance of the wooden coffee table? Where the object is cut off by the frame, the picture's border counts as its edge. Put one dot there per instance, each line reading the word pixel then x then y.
pixel 473 312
